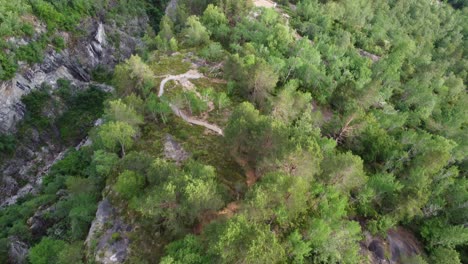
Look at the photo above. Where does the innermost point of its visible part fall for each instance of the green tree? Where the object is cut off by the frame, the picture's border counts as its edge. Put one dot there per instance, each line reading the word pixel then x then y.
pixel 129 184
pixel 119 111
pixel 240 240
pixel 290 103
pixel 222 100
pixel 277 198
pixel 103 162
pixel 297 248
pixel 216 22
pixel 182 197
pixel 438 233
pixel 444 255
pixel 46 251
pixel 72 253
pixel 158 106
pixel 344 171
pixel 195 34
pixel 261 82
pixel 252 136
pixel 188 250
pixel 333 239
pixel 133 76
pixel 117 133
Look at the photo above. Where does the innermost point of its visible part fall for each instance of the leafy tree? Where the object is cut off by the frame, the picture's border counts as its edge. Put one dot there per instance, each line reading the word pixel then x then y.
pixel 290 103
pixel 195 33
pixel 332 238
pixel 118 111
pixel 158 106
pixel 213 52
pixel 344 171
pixel 252 136
pixel 117 133
pixel 104 162
pixel 47 251
pixel 188 250
pixel 444 255
pixel 222 100
pixel 129 184
pixel 235 10
pixel 279 199
pixel 244 241
pixel 81 215
pixel 216 22
pixel 133 76
pixel 297 248
pixel 7 143
pixel 182 197
pixel 71 253
pixel 261 83
pixel 437 233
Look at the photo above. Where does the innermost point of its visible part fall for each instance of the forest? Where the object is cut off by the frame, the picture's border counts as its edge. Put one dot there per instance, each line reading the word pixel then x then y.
pixel 309 128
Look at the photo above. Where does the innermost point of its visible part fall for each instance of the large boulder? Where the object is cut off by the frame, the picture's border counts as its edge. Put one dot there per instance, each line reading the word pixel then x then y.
pixel 107 241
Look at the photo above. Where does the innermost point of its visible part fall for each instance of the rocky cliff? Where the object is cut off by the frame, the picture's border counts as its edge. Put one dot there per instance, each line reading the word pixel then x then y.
pixel 102 44
pixel 99 43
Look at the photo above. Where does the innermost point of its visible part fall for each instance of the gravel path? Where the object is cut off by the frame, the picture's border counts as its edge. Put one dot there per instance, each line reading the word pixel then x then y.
pixel 192 74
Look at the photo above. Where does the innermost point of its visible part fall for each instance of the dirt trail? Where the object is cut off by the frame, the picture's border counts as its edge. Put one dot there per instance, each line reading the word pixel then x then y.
pixel 183 79
pixel 264 3
pixel 228 212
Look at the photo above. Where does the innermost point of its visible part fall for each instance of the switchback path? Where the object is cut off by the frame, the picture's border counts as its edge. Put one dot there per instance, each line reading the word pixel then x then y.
pixel 192 74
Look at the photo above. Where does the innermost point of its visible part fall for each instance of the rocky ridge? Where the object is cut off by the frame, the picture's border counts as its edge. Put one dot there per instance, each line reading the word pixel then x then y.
pixel 103 45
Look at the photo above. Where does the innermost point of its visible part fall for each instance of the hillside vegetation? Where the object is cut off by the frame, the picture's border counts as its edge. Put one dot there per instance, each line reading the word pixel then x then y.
pixel 309 127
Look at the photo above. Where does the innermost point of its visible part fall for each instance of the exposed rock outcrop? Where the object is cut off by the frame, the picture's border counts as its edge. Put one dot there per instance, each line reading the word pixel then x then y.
pixel 30 168
pixel 174 151
pixel 399 243
pixel 18 251
pixel 103 45
pixel 74 63
pixel 107 240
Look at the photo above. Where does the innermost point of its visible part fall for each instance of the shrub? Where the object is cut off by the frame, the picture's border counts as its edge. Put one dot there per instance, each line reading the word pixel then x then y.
pixel 195 33
pixel 129 184
pixel 46 251
pixel 58 42
pixel 213 52
pixel 84 108
pixel 8 67
pixel 7 143
pixel 32 53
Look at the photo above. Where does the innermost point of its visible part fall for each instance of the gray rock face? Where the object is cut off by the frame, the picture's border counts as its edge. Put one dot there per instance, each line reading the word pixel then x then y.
pixel 174 151
pixel 398 244
pixel 104 45
pixel 74 63
pixel 107 240
pixel 18 251
pixel 31 168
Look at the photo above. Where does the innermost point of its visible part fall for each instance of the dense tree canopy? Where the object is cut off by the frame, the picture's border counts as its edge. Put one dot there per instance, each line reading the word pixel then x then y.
pixel 339 122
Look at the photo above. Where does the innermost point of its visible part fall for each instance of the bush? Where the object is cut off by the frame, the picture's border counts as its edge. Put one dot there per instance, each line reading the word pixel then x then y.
pixel 444 255
pixel 27 29
pixel 32 53
pixel 35 102
pixel 58 42
pixel 7 144
pixel 46 251
pixel 213 52
pixel 8 67
pixel 195 33
pixel 71 253
pixel 84 108
pixel 129 184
